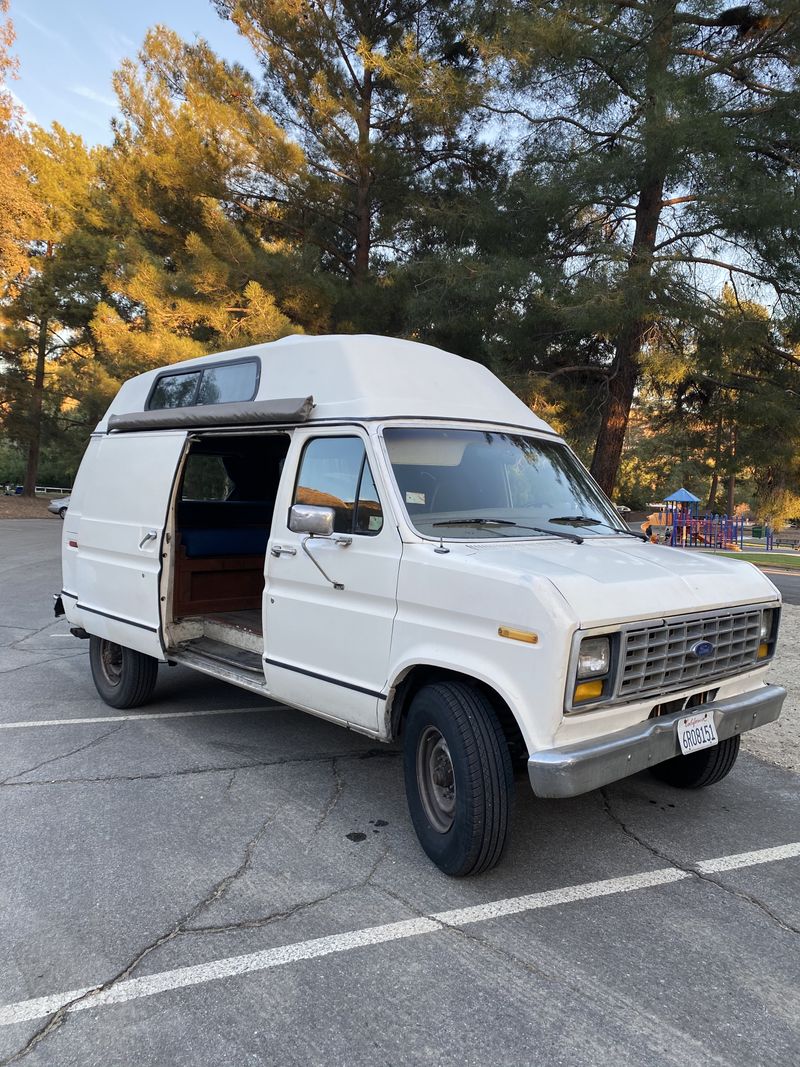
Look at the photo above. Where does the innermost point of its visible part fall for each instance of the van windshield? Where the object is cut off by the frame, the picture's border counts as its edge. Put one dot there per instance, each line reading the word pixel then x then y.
pixel 479 484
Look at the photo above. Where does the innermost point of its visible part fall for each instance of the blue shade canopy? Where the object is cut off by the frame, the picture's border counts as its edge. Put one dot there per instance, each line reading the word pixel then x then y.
pixel 682 496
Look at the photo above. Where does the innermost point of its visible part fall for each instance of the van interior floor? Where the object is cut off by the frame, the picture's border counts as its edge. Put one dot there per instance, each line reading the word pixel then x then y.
pixel 229 638
pixel 237 622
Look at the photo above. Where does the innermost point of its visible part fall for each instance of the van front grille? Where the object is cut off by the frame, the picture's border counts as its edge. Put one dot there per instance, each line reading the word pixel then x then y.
pixel 660 657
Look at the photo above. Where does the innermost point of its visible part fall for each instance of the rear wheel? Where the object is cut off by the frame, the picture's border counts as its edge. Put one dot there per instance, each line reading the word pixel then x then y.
pixel 700 769
pixel 122 677
pixel 458 777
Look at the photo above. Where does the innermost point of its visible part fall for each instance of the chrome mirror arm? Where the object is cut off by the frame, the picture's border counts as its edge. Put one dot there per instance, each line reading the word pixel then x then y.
pixel 303 544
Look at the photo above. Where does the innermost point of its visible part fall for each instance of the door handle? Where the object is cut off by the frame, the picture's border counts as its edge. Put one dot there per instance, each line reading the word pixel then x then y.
pixel 151 535
pixel 283 550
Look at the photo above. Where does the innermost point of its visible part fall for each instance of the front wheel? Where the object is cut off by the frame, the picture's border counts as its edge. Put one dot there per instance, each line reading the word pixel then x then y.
pixel 122 677
pixel 699 769
pixel 62 513
pixel 458 777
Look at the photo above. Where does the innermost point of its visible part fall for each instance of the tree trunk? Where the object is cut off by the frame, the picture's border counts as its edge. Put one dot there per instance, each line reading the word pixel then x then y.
pixel 363 185
pixel 617 409
pixel 625 369
pixel 732 476
pixel 731 493
pixel 712 493
pixel 35 413
pixel 711 506
pixel 626 366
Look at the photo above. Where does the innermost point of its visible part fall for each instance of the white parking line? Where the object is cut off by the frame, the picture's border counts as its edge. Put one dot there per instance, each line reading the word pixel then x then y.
pixel 748 859
pixel 139 715
pixel 198 974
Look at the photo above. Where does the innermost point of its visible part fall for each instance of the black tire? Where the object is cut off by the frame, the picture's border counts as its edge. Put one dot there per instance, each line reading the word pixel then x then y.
pixel 62 513
pixel 459 779
pixel 700 769
pixel 122 677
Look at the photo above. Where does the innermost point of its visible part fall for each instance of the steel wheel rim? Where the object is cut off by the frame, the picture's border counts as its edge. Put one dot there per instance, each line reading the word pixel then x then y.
pixel 111 662
pixel 436 780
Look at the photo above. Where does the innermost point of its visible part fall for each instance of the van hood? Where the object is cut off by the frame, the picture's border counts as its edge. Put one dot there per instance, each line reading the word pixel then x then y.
pixel 604 581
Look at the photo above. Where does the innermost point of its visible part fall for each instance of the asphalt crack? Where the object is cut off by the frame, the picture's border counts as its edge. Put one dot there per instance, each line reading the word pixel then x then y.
pixel 44 652
pixel 187 771
pixel 63 755
pixel 33 633
pixel 217 891
pixel 580 985
pixel 703 876
pixel 333 800
pixel 265 920
pixel 287 913
pixel 181 928
pixel 496 950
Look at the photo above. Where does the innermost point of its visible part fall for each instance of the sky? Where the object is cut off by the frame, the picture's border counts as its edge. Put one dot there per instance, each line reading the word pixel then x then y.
pixel 68 50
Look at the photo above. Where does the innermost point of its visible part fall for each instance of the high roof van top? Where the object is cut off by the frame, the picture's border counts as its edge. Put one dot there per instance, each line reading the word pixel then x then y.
pixel 352 377
pixel 381 534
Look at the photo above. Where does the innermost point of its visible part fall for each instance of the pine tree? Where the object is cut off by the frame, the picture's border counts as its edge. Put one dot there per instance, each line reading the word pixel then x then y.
pixel 671 132
pixel 45 316
pixel 19 210
pixel 379 97
pixel 186 269
pixel 718 412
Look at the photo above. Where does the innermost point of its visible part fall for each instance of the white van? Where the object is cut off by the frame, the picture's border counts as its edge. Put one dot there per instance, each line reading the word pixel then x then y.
pixel 380 533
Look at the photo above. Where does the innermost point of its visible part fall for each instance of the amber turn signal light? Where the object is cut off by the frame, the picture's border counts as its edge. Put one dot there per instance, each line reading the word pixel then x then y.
pixel 588 690
pixel 518 635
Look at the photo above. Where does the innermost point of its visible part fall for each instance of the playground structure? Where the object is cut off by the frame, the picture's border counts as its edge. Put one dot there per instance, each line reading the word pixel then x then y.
pixel 684 527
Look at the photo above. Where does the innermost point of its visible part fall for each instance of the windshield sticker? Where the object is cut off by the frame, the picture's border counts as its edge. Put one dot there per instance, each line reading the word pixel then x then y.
pixel 415 498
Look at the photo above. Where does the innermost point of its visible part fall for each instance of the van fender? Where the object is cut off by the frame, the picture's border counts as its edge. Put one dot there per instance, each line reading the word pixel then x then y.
pixel 537 732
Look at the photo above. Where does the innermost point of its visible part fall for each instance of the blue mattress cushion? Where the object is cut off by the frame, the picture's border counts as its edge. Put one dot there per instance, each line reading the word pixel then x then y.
pixel 219 541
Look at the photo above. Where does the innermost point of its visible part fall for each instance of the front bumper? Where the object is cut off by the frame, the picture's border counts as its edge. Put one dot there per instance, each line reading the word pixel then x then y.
pixel 578 768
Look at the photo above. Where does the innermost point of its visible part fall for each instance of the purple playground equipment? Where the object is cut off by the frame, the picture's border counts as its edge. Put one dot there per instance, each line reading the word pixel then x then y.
pixel 687 528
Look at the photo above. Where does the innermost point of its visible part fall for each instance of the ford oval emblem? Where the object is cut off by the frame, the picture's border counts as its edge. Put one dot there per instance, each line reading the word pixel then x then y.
pixel 701 649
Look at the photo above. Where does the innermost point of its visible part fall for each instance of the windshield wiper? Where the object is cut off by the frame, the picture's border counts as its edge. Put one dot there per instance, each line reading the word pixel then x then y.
pixel 508 522
pixel 589 520
pixel 475 522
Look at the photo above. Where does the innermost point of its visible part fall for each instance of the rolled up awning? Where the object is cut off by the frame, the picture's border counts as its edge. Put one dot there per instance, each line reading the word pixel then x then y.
pixel 249 413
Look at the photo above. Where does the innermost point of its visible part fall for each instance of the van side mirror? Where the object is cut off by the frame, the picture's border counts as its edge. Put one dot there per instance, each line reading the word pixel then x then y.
pixel 307 519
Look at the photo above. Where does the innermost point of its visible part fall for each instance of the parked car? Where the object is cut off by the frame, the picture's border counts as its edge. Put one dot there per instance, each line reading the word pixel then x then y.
pixel 412 553
pixel 59 506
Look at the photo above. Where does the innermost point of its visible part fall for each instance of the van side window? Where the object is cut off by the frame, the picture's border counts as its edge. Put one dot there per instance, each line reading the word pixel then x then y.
pixel 227 383
pixel 205 478
pixel 334 473
pixel 223 383
pixel 174 391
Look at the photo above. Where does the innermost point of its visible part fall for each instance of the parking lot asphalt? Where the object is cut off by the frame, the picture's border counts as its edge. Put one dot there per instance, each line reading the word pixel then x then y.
pixel 789 585
pixel 214 880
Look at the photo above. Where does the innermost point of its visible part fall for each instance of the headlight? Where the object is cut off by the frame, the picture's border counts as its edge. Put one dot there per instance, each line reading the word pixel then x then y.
pixel 594 657
pixel 767 618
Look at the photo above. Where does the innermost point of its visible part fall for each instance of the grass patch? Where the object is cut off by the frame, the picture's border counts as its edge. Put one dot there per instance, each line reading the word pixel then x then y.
pixel 789 560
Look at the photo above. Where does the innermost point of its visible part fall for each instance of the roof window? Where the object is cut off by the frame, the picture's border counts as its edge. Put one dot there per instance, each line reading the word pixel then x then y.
pixel 219 383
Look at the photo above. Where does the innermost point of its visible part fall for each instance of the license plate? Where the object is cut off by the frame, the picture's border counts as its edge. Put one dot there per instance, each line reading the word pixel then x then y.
pixel 696 732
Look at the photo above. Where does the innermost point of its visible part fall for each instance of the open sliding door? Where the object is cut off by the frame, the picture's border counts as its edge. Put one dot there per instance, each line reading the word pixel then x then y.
pixel 116 533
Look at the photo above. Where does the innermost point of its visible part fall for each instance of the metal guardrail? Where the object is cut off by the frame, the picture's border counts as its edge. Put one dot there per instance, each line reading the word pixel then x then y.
pixel 40 490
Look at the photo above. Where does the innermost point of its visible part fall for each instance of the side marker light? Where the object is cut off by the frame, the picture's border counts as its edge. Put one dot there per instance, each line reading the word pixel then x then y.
pixel 518 635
